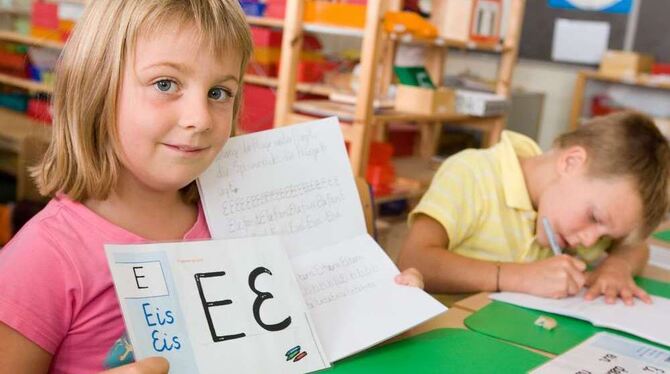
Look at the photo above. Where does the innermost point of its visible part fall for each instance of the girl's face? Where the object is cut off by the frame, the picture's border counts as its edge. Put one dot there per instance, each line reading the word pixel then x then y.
pixel 175 108
pixel 582 208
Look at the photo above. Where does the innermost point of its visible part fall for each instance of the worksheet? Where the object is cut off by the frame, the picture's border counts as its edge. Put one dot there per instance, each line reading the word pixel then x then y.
pixel 609 353
pixel 648 321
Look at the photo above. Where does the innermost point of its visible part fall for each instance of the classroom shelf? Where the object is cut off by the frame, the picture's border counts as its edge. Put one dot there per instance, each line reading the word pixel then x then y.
pixel 15 127
pixel 413 176
pixel 345 112
pixel 27 84
pixel 642 80
pixel 16 37
pixel 264 21
pixel 449 43
pixel 319 28
pixel 308 88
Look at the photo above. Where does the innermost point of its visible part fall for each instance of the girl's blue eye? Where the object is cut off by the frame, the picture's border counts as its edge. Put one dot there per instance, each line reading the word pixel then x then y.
pixel 219 94
pixel 164 85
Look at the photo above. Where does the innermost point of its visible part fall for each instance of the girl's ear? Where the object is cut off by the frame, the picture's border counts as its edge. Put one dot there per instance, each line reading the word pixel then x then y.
pixel 572 159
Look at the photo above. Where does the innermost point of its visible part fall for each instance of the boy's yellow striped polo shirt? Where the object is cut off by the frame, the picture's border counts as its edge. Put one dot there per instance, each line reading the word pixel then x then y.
pixel 480 198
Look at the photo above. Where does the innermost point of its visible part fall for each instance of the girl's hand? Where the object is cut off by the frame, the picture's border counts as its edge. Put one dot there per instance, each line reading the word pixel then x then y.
pixel 410 277
pixel 614 279
pixel 151 365
pixel 556 277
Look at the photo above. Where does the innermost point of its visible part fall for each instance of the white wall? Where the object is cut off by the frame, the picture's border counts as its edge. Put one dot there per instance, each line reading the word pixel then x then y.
pixel 556 81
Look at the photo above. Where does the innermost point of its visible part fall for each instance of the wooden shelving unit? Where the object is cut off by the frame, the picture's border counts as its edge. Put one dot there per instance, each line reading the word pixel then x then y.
pixel 583 77
pixel 15 37
pixel 364 122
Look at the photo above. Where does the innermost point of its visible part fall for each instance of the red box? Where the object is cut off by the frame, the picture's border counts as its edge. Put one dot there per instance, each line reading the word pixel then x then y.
pixel 263 70
pixel 660 68
pixel 265 37
pixel 39 110
pixel 45 15
pixel 258 108
pixel 403 138
pixel 310 71
pixel 275 8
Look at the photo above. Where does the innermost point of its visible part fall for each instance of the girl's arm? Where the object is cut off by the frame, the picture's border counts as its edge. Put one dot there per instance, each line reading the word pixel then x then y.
pixel 614 277
pixel 20 355
pixel 448 272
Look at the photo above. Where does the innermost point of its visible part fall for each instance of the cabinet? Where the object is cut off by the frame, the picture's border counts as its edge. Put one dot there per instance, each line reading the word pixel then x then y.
pixel 361 123
pixel 591 88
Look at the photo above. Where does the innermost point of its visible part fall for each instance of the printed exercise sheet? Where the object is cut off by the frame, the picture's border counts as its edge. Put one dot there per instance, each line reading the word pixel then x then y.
pixel 218 306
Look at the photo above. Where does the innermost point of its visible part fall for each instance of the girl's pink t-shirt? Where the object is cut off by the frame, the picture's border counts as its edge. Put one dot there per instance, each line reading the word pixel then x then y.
pixel 56 288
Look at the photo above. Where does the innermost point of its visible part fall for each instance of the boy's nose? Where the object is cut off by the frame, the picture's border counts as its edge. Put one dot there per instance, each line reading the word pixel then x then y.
pixel 589 236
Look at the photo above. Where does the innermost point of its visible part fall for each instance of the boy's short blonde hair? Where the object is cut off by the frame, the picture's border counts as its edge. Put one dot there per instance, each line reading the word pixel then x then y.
pixel 628 144
pixel 81 160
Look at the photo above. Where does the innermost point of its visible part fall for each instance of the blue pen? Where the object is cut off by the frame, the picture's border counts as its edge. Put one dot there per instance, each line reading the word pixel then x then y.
pixel 552 238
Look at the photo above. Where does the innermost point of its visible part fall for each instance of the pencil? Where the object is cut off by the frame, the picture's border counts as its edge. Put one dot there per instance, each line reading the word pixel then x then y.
pixel 551 237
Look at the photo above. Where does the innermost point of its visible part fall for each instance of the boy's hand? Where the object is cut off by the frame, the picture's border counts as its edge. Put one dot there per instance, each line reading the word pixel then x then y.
pixel 555 277
pixel 151 365
pixel 614 279
pixel 410 277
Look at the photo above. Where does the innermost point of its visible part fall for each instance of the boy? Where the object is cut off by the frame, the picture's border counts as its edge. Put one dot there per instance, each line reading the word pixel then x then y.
pixel 602 187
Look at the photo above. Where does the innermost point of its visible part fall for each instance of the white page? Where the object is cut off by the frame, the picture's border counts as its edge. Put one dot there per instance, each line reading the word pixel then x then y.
pixel 172 297
pixel 296 181
pixel 609 353
pixel 351 284
pixel 659 256
pixel 648 321
pixel 582 42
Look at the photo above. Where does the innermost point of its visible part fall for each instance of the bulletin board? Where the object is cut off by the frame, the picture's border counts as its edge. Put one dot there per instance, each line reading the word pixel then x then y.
pixel 538 27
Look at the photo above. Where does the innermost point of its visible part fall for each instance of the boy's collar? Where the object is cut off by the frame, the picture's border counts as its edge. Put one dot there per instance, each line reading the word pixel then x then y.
pixel 512 146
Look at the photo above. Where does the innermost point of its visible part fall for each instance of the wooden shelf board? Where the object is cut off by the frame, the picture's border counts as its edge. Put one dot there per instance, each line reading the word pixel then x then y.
pixel 264 21
pixel 25 83
pixel 644 80
pixel 449 43
pixel 30 40
pixel 309 88
pixel 322 28
pixel 15 127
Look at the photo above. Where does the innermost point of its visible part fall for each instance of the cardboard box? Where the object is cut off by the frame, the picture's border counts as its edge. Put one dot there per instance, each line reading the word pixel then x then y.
pixel 422 100
pixel 480 104
pixel 625 64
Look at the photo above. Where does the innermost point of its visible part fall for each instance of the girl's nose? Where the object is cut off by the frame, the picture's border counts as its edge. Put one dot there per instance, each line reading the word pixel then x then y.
pixel 196 114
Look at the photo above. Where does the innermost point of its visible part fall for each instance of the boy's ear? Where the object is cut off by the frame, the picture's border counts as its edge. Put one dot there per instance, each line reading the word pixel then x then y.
pixel 572 159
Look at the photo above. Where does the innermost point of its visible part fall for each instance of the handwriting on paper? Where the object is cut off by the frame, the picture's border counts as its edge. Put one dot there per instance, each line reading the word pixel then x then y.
pixel 328 282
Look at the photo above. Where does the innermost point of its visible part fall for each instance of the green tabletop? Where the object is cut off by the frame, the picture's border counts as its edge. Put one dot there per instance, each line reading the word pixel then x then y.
pixel 516 324
pixel 442 351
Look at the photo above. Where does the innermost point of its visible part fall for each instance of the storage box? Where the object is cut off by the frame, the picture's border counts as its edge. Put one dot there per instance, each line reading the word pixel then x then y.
pixel 466 20
pixel 421 100
pixel 480 104
pixel 625 64
pixel 341 14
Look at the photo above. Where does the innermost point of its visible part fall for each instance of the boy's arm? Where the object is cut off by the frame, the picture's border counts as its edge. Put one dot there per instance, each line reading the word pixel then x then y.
pixel 614 277
pixel 20 355
pixel 448 272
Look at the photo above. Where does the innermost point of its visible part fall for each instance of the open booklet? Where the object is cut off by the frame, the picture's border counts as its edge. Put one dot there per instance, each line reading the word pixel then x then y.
pixel 648 321
pixel 293 187
pixel 296 181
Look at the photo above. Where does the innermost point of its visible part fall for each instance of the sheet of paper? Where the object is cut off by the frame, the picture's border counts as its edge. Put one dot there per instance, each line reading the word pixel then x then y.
pixel 353 299
pixel 219 306
pixel 648 321
pixel 609 353
pixel 659 256
pixel 296 181
pixel 582 42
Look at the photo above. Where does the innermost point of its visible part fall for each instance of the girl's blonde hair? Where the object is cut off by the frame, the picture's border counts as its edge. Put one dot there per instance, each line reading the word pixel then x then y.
pixel 81 160
pixel 628 144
